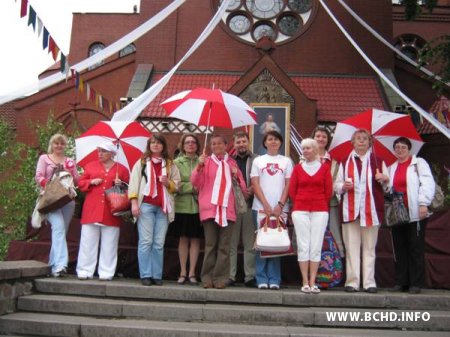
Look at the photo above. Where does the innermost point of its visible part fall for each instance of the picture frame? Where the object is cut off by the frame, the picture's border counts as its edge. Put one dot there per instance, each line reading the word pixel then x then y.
pixel 274 116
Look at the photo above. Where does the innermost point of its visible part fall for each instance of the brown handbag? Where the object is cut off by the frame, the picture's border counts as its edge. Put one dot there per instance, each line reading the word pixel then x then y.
pixel 55 196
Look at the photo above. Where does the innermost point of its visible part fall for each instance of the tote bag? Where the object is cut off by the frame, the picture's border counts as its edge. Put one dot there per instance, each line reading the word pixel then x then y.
pixel 56 194
pixel 330 272
pixel 239 199
pixel 272 236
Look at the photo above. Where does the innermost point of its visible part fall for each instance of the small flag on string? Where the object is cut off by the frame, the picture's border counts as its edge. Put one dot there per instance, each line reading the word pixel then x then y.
pixel 32 18
pixel 23 8
pixel 88 91
pixel 39 26
pixel 45 39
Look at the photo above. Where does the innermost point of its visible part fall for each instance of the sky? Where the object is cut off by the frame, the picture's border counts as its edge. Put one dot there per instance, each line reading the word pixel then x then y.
pixel 22 58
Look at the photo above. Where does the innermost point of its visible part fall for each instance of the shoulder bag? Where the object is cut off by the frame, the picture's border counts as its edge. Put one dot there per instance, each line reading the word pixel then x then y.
pixel 55 196
pixel 437 203
pixel 395 211
pixel 239 199
pixel 117 199
pixel 330 272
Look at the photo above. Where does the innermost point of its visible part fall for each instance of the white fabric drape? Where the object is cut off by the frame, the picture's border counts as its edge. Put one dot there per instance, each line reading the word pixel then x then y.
pixel 100 56
pixel 133 110
pixel 413 104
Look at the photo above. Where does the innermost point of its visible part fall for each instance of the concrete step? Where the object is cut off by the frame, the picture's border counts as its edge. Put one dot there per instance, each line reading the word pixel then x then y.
pixel 237 314
pixel 76 326
pixel 290 296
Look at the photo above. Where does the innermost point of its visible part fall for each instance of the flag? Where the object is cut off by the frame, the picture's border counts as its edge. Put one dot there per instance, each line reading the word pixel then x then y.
pixel 88 91
pixel 81 85
pixel 39 26
pixel 23 8
pixel 32 18
pixel 45 38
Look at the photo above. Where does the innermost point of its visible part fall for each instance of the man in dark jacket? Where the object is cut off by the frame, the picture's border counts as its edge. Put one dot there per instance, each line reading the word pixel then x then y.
pixel 244 228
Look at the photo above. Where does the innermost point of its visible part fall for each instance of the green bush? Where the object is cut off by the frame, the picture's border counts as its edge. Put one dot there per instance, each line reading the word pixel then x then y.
pixel 17 170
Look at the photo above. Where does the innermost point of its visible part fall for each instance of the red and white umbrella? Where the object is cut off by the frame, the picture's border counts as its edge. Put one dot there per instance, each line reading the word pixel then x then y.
pixel 130 138
pixel 385 128
pixel 210 107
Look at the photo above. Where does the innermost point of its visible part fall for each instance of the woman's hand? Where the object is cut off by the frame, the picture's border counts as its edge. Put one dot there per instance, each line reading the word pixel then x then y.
pixel 96 181
pixel 164 180
pixel 277 210
pixel 135 208
pixel 348 185
pixel 423 212
pixel 117 182
pixel 381 178
pixel 267 209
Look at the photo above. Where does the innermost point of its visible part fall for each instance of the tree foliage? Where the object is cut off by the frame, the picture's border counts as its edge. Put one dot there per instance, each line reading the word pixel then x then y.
pixel 17 170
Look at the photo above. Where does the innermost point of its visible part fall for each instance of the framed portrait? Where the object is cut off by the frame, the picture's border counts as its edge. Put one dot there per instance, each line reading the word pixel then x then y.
pixel 270 116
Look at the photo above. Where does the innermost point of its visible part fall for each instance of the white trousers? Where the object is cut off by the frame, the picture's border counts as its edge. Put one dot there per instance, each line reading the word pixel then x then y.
pixel 357 239
pixel 309 229
pixel 91 236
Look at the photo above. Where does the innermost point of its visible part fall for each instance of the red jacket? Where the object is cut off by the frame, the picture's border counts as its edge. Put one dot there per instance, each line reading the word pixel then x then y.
pixel 94 208
pixel 311 193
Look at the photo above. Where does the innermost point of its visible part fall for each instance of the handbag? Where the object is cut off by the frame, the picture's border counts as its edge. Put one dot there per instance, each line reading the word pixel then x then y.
pixel 117 199
pixel 330 272
pixel 272 236
pixel 395 211
pixel 37 217
pixel 239 199
pixel 438 201
pixel 56 195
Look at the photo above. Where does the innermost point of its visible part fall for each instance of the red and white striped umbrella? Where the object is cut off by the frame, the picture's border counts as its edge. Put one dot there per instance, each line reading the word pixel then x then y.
pixel 385 128
pixel 210 107
pixel 129 137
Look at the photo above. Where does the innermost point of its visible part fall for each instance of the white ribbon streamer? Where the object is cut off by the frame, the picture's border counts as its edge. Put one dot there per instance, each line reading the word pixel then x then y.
pixel 98 57
pixel 413 104
pixel 390 46
pixel 131 111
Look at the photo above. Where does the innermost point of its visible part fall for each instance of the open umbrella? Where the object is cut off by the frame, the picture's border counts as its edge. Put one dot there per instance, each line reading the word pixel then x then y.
pixel 210 107
pixel 385 128
pixel 130 138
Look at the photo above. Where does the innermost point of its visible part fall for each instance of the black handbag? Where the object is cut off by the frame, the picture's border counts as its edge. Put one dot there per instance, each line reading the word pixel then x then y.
pixel 395 211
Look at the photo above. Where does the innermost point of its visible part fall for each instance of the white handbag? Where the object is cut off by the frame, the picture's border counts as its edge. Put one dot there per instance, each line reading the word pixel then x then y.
pixel 272 236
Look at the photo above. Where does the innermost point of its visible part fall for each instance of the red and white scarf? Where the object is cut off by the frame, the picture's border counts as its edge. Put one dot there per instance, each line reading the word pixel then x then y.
pixel 360 200
pixel 151 189
pixel 221 189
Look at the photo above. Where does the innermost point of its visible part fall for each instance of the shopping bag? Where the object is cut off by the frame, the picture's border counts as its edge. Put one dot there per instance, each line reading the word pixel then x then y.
pixel 56 194
pixel 117 199
pixel 330 272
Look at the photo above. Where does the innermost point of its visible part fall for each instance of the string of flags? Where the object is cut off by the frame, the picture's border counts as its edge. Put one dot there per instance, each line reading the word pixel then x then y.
pixel 93 95
pixel 47 39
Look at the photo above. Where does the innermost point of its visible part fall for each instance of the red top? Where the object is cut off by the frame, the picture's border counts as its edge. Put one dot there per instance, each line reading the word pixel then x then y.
pixel 311 193
pixel 400 182
pixel 94 208
pixel 157 201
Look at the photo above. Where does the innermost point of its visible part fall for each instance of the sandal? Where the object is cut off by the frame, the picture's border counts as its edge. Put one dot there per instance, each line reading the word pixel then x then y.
pixel 306 289
pixel 193 280
pixel 181 280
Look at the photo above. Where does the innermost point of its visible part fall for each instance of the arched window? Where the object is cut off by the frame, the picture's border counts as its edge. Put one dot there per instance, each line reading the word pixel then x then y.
pixel 410 45
pixel 131 48
pixel 94 49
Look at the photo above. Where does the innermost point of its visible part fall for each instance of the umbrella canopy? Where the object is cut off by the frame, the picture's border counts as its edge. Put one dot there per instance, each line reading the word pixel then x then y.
pixel 385 128
pixel 130 138
pixel 210 107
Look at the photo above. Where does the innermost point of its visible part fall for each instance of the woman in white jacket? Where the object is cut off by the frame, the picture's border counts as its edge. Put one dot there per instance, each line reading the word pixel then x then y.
pixel 411 176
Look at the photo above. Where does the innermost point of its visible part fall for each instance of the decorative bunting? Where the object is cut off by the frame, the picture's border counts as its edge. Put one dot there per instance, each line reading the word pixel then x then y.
pixel 23 8
pixel 40 25
pixel 88 91
pixel 45 39
pixel 32 18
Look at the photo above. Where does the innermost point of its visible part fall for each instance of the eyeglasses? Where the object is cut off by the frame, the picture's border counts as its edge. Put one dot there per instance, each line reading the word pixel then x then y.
pixel 190 142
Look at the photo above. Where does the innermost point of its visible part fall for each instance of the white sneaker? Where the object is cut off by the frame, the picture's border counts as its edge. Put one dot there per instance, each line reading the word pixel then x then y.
pixel 262 286
pixel 274 287
pixel 306 289
pixel 315 289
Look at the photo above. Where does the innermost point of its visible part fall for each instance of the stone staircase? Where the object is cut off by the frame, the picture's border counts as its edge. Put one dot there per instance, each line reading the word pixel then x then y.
pixel 123 307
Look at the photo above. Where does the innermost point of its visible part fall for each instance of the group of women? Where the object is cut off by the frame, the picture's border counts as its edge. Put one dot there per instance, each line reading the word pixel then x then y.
pixel 195 192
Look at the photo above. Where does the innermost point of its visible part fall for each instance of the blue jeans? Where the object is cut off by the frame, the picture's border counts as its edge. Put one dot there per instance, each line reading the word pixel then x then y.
pixel 267 270
pixel 152 228
pixel 60 221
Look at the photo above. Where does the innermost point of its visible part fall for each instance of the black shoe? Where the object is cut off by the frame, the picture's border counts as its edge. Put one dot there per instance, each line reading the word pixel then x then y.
pixel 250 283
pixel 414 290
pixel 157 282
pixel 146 281
pixel 230 283
pixel 349 289
pixel 397 288
pixel 371 290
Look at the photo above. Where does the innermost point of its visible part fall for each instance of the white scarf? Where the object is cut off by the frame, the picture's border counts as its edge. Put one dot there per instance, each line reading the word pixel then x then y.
pixel 221 189
pixel 151 188
pixel 360 200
